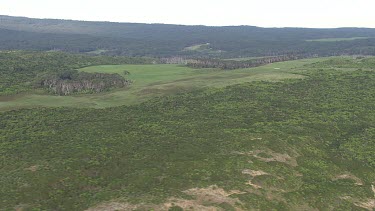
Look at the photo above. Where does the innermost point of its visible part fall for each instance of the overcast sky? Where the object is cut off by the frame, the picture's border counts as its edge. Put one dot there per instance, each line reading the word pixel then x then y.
pixel 266 13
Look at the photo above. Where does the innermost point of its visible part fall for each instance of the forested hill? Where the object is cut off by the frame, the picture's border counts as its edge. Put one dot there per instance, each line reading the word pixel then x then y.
pixel 163 40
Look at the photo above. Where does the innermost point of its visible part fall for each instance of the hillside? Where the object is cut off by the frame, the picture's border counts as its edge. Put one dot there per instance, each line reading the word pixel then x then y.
pixel 162 40
pixel 299 144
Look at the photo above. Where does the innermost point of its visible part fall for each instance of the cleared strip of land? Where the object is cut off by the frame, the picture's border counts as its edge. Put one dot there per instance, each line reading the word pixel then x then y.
pixel 339 39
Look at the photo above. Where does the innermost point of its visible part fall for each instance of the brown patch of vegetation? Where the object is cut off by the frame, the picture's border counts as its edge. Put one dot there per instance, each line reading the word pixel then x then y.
pixel 272 157
pixel 21 207
pixel 304 207
pixel 349 176
pixel 369 205
pixel 254 174
pixel 205 199
pixel 33 168
pixel 113 206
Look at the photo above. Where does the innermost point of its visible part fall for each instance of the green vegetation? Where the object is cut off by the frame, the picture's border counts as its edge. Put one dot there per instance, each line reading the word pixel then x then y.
pixel 20 71
pixel 149 81
pixel 210 134
pixel 365 63
pixel 339 39
pixel 292 145
pixel 175 40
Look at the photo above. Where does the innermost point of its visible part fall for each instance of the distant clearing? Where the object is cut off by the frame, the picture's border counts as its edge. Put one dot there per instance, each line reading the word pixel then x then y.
pixel 339 39
pixel 97 52
pixel 198 47
pixel 248 58
pixel 202 48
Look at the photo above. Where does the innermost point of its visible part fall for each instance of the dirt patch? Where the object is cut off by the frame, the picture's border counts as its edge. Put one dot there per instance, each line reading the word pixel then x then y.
pixel 250 182
pixel 369 205
pixel 205 199
pixel 254 174
pixel 33 168
pixel 114 206
pixel 345 197
pixel 21 207
pixel 349 176
pixel 214 194
pixel 188 205
pixel 298 174
pixel 304 207
pixel 271 156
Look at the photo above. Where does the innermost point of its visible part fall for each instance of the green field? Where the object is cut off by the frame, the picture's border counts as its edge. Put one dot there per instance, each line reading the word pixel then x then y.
pixel 339 39
pixel 156 80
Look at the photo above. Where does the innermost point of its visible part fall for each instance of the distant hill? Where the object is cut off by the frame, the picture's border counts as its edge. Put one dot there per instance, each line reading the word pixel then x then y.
pixel 164 40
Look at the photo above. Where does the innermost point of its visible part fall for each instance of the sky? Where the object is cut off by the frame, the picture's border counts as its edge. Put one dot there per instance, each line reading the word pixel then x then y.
pixel 264 13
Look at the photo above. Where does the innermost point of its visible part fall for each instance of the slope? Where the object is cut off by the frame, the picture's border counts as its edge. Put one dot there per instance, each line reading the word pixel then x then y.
pixel 293 145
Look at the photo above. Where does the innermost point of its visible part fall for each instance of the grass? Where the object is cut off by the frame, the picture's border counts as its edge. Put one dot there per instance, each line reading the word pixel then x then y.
pixel 338 39
pixel 151 81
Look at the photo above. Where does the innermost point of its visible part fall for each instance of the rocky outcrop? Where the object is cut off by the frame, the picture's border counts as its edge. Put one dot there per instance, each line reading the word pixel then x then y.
pixel 69 83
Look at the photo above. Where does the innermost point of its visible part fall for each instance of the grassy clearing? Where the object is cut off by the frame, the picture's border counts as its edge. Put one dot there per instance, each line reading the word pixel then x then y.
pixel 339 39
pixel 202 48
pixel 157 80
pixel 198 47
pixel 97 52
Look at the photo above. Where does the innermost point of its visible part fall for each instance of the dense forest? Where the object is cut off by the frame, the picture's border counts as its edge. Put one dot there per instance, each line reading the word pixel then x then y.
pixel 172 40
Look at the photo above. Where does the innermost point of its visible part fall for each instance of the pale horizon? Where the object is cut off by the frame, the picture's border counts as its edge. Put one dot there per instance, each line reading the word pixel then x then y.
pixel 271 13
